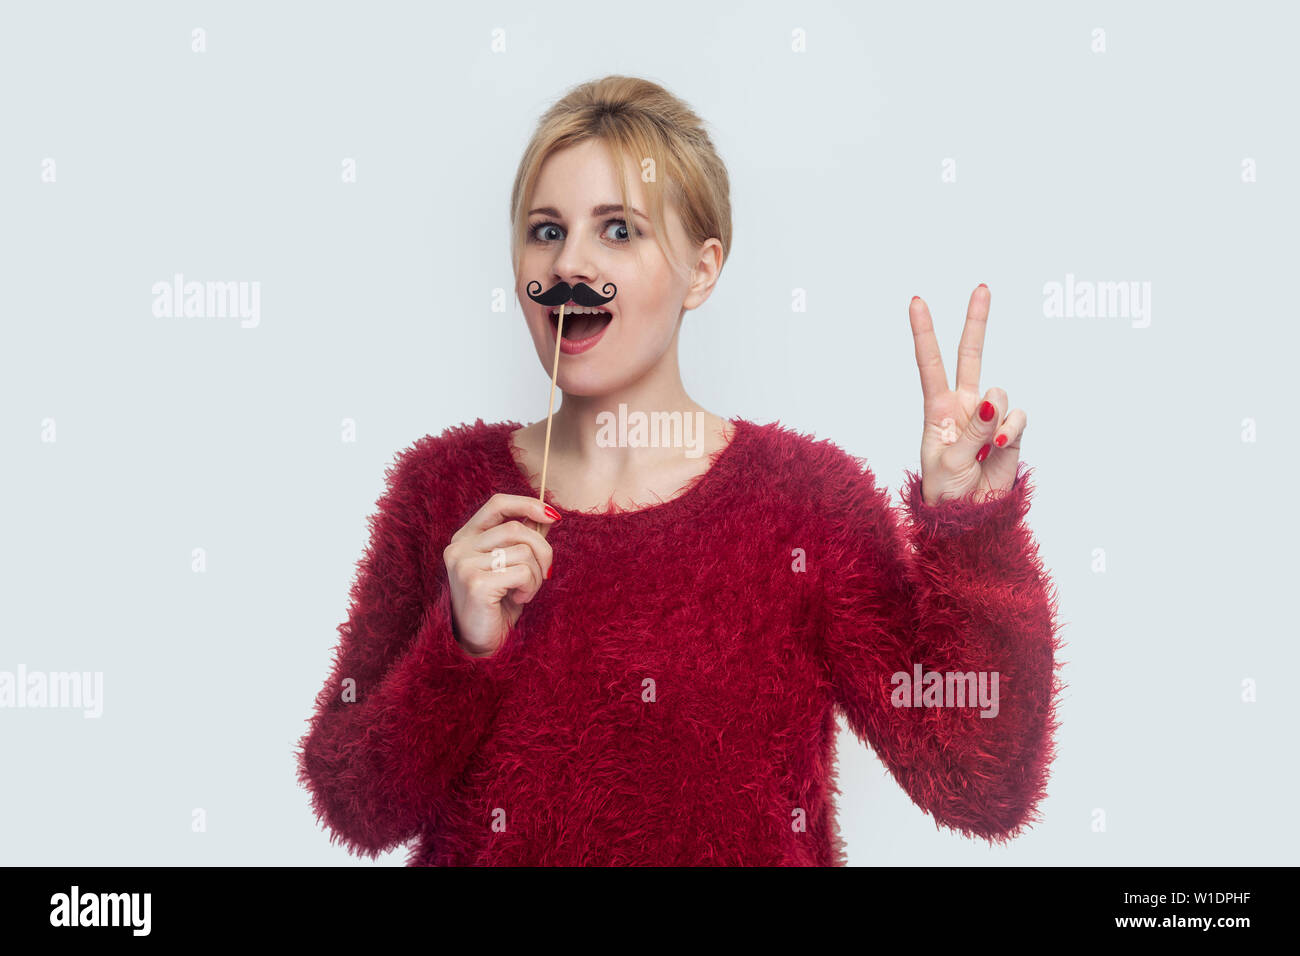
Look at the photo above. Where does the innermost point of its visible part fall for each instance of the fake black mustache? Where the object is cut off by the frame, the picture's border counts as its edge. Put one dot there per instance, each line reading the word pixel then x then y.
pixel 562 292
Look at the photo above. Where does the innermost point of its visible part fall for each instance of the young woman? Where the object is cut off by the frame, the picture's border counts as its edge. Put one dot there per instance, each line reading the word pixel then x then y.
pixel 646 669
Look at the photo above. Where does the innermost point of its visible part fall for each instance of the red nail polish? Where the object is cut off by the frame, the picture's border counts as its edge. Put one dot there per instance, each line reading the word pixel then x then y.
pixel 982 453
pixel 550 569
pixel 915 297
pixel 1001 440
pixel 551 513
pixel 987 410
pixel 983 286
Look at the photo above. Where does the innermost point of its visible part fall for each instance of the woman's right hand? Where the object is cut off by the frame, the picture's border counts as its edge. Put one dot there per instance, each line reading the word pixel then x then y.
pixel 494 567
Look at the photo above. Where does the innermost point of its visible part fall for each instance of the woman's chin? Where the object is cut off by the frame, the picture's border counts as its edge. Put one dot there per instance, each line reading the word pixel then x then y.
pixel 589 382
pixel 582 386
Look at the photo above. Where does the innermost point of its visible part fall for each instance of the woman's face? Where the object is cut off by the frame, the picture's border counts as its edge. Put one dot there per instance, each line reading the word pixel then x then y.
pixel 578 232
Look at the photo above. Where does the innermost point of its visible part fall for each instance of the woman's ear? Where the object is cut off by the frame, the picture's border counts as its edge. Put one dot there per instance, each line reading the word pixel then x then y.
pixel 704 274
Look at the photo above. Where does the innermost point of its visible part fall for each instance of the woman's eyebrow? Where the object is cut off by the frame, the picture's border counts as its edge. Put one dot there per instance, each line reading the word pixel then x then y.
pixel 602 210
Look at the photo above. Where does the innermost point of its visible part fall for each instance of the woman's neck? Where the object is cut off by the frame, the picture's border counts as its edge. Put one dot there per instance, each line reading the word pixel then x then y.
pixel 619 448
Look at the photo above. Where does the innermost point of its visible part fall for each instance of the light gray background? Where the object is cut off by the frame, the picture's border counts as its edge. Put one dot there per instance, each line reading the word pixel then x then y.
pixel 175 434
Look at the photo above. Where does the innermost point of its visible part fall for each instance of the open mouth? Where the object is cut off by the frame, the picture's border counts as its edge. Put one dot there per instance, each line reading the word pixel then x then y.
pixel 580 324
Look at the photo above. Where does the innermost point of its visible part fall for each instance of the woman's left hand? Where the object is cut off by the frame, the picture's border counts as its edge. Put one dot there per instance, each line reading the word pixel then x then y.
pixel 969 442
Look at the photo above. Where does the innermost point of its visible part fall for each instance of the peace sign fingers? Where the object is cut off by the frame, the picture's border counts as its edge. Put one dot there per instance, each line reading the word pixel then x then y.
pixel 972 341
pixel 929 361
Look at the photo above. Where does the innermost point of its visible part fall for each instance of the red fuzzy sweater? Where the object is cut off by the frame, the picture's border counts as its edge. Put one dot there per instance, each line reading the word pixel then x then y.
pixel 669 696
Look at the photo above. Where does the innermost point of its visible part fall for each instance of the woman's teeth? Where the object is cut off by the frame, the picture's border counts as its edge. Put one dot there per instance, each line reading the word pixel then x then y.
pixel 576 310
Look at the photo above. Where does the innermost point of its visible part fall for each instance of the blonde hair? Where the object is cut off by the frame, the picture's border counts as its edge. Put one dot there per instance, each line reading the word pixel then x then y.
pixel 640 119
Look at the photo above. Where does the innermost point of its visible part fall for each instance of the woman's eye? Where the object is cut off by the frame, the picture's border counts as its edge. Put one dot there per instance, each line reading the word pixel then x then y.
pixel 550 232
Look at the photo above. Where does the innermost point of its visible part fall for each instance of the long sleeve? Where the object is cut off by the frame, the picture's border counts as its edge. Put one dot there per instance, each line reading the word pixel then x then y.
pixel 953 594
pixel 405 705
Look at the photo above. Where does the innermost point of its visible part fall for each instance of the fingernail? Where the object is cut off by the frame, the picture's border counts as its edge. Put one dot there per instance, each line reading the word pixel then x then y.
pixel 551 513
pixel 1001 440
pixel 983 286
pixel 987 410
pixel 915 297
pixel 550 569
pixel 982 453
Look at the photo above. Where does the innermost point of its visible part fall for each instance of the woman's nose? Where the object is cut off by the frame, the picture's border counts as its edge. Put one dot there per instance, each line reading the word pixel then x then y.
pixel 573 265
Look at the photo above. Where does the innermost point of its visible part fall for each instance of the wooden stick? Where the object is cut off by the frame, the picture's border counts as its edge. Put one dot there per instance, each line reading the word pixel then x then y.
pixel 550 408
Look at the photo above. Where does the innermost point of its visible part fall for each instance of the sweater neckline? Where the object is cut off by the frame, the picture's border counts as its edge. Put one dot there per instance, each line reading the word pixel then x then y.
pixel 691 499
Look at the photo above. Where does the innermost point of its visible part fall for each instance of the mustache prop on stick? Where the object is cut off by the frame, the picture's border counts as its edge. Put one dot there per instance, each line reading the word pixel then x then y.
pixel 561 294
